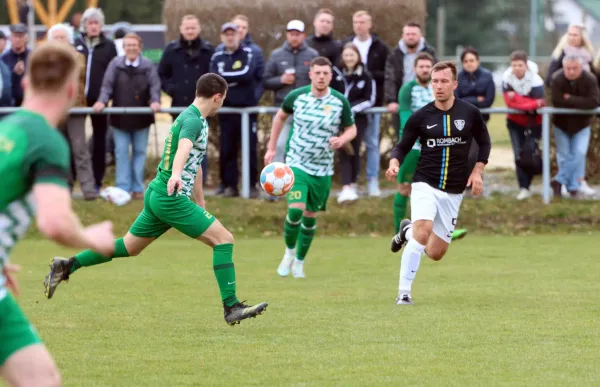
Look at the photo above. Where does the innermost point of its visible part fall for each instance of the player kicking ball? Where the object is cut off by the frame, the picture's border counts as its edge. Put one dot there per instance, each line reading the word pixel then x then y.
pixel 445 127
pixel 34 162
pixel 412 97
pixel 318 111
pixel 167 204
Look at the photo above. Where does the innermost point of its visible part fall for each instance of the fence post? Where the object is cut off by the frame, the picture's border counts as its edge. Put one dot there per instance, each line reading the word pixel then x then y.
pixel 546 155
pixel 245 154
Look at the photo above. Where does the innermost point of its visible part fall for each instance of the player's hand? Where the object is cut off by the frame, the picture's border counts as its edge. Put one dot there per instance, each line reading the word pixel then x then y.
pixel 174 184
pixel 102 237
pixel 476 183
pixel 98 106
pixel 201 203
pixel 11 280
pixel 392 172
pixel 336 142
pixel 269 156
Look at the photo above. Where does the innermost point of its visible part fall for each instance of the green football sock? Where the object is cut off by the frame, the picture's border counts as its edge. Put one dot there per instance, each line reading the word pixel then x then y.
pixel 400 202
pixel 308 228
pixel 292 227
pixel 91 258
pixel 225 272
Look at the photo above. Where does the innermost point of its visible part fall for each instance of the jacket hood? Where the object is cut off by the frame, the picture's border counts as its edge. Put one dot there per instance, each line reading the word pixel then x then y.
pixel 420 46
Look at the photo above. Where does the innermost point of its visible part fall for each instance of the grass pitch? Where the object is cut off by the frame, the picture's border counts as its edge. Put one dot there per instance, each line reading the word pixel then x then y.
pixel 496 311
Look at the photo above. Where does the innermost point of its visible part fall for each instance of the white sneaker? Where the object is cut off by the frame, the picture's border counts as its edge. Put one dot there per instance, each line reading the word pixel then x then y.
pixel 373 187
pixel 298 269
pixel 286 263
pixel 585 189
pixel 523 194
pixel 347 195
pixel 563 192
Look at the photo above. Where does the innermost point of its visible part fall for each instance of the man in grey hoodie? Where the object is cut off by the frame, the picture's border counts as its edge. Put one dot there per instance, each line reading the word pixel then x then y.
pixel 286 70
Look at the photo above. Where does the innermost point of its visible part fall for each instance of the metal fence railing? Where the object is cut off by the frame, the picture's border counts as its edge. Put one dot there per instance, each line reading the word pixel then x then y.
pixel 545 112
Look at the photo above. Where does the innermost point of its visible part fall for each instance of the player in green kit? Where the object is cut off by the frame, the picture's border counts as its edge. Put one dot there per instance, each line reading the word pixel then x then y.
pixel 167 204
pixel 34 164
pixel 318 113
pixel 412 97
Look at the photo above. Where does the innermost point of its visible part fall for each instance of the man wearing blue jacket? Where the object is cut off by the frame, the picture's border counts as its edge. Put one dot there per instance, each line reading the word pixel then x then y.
pixel 236 64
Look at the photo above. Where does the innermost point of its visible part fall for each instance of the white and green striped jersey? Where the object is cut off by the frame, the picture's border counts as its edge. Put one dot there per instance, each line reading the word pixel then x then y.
pixel 314 122
pixel 412 96
pixel 191 125
pixel 31 152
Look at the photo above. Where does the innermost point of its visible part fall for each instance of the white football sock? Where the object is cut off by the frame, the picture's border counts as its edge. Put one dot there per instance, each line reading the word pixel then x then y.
pixel 290 252
pixel 409 233
pixel 411 258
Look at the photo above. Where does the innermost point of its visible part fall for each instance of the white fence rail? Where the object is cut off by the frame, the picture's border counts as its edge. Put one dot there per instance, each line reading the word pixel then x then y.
pixel 545 112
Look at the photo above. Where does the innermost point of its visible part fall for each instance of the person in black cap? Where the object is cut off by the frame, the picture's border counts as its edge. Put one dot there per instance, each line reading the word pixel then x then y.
pixel 236 64
pixel 16 59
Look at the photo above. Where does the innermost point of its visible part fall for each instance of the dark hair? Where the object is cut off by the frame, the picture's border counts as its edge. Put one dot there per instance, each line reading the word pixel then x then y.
pixel 469 50
pixel 423 55
pixel 351 46
pixel 320 61
pixel 447 64
pixel 210 84
pixel 120 33
pixel 413 24
pixel 518 55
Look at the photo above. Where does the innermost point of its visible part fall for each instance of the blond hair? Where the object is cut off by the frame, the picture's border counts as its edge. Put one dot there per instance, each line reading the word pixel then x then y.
pixel 562 42
pixel 362 12
pixel 50 66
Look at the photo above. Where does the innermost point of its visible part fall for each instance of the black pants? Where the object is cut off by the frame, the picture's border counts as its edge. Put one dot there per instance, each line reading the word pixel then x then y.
pixel 517 137
pixel 350 165
pixel 99 129
pixel 231 141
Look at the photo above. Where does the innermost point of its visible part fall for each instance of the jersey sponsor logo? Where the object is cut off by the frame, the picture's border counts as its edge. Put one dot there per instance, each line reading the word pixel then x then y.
pixel 238 64
pixel 360 84
pixel 460 124
pixel 445 141
pixel 431 126
pixel 6 144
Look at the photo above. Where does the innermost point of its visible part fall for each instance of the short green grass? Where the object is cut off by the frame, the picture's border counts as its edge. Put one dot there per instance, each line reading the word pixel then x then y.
pixel 519 311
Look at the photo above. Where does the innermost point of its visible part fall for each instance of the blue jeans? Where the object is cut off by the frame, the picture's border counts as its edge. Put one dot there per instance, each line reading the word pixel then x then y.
pixel 372 144
pixel 130 171
pixel 571 151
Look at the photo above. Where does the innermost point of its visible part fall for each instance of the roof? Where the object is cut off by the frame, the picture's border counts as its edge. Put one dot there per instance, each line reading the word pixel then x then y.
pixel 592 7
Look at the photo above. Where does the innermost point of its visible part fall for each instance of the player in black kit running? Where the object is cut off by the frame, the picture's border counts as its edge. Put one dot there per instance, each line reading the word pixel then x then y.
pixel 445 129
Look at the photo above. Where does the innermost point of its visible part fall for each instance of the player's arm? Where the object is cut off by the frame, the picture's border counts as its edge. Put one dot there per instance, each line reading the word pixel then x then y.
pixel 188 133
pixel 409 137
pixel 482 137
pixel 348 124
pixel 47 163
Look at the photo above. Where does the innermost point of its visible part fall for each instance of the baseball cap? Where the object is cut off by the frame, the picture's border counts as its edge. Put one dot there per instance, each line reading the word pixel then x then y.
pixel 18 28
pixel 295 25
pixel 228 26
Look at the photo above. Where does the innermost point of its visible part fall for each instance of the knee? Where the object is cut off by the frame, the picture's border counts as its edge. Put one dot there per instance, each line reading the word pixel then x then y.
pixel 421 235
pixel 435 254
pixel 224 237
pixel 48 376
pixel 404 189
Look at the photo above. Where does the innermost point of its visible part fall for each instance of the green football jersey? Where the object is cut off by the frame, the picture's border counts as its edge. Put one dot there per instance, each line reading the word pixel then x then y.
pixel 314 122
pixel 191 125
pixel 412 97
pixel 31 152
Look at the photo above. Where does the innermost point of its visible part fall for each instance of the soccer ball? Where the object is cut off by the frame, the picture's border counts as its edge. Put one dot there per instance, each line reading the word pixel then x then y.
pixel 277 179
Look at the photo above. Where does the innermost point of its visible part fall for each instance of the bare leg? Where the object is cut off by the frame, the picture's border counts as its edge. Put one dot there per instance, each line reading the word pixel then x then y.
pixel 31 366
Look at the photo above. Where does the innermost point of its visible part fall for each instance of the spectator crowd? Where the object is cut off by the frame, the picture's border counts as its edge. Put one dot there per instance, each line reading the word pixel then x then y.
pixel 366 71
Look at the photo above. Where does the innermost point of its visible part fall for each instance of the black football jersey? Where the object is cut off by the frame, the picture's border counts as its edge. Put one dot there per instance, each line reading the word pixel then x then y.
pixel 445 138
